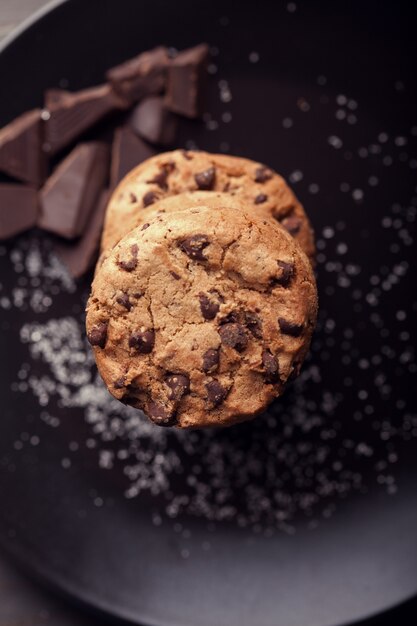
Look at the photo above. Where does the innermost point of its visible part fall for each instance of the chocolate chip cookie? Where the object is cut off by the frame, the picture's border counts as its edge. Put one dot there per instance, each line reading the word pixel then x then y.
pixel 200 317
pixel 264 192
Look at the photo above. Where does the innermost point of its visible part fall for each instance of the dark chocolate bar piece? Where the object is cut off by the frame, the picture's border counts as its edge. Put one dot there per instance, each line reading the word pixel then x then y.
pixel 69 195
pixel 79 257
pixel 186 77
pixel 128 151
pixel 18 209
pixel 141 76
pixel 152 121
pixel 68 115
pixel 21 148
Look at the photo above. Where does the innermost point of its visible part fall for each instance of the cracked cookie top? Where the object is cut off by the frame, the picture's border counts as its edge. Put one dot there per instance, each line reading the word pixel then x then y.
pixel 200 317
pixel 265 193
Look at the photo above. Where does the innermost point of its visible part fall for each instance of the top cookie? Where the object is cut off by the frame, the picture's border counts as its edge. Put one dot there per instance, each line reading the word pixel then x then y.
pixel 264 192
pixel 200 317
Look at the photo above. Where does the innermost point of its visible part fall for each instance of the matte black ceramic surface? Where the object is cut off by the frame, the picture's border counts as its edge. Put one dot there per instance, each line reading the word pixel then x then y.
pixel 324 93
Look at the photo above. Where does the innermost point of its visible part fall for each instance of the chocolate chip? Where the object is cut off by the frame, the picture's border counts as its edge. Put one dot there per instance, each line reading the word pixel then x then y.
pixel 179 385
pixel 216 393
pixel 175 275
pixel 253 323
pixel 145 226
pixel 119 383
pixel 123 300
pixel 142 341
pixel 131 263
pixel 149 198
pixel 132 197
pixel 209 308
pixel 289 328
pixel 292 224
pixel 186 155
pixel 287 272
pixel 262 174
pixel 233 335
pixel 205 180
pixel 270 364
pixel 159 414
pixel 233 316
pixel 161 178
pixel 261 198
pixel 98 335
pixel 210 360
pixel 295 370
pixel 194 246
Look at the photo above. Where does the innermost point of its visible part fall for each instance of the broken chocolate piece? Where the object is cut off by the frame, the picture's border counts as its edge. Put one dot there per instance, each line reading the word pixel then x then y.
pixel 270 364
pixel 194 246
pixel 142 341
pixel 290 328
pixel 234 336
pixel 262 174
pixel 144 75
pixel 98 335
pixel 216 393
pixel 209 308
pixel 128 150
pixel 152 121
pixel 210 360
pixel 128 265
pixel 287 272
pixel 179 385
pixel 70 194
pixel 18 209
pixel 79 257
pixel 21 153
pixel 72 113
pixel 186 81
pixel 159 414
pixel 205 180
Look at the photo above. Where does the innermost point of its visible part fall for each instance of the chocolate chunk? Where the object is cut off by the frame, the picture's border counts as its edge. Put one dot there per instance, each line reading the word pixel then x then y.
pixel 98 335
pixel 205 180
pixel 216 393
pixel 71 114
pixel 70 194
pixel 79 257
pixel 210 361
pixel 290 328
pixel 270 364
pixel 233 335
pixel 145 226
pixel 292 224
pixel 175 275
pixel 18 209
pixel 119 383
pixel 253 323
pixel 179 385
pixel 149 198
pixel 130 264
pixel 209 308
pixel 186 79
pixel 233 316
pixel 261 198
pixel 123 300
pixel 287 272
pixel 128 150
pixel 144 75
pixel 21 154
pixel 153 122
pixel 194 246
pixel 160 415
pixel 161 177
pixel 142 341
pixel 262 174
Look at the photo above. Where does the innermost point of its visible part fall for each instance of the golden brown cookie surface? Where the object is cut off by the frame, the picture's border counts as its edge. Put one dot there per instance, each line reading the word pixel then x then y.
pixel 200 317
pixel 264 192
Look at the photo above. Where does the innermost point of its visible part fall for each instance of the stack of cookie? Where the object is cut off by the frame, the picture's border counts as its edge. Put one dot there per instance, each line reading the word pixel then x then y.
pixel 204 298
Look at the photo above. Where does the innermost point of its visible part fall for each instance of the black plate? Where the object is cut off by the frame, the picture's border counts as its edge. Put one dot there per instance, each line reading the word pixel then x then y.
pixel 306 516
